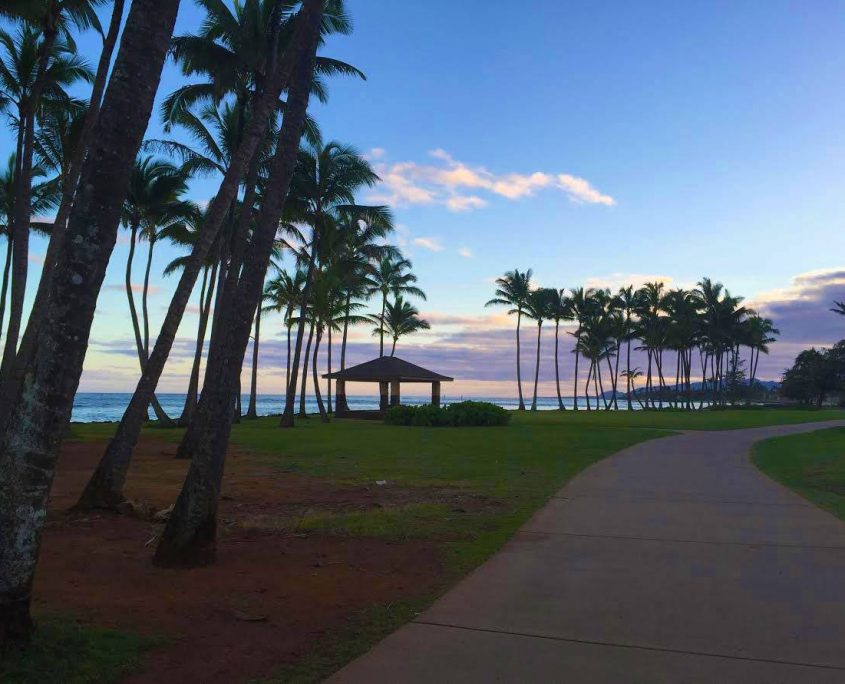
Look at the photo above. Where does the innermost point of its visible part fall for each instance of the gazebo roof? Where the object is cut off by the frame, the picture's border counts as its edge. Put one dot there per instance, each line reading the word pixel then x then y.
pixel 386 369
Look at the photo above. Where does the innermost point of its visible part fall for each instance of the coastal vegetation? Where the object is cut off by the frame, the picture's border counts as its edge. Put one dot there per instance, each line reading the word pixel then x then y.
pixel 682 333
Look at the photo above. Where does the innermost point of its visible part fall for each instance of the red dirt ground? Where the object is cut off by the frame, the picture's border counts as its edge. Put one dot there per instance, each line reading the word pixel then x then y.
pixel 265 602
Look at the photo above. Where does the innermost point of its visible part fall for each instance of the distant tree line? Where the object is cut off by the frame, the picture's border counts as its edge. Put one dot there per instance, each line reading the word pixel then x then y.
pixel 704 332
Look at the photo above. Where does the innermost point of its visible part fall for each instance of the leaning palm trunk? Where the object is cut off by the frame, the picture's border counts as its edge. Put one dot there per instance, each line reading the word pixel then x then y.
pixel 324 416
pixel 41 410
pixel 190 535
pixel 597 384
pixel 560 405
pixel 536 369
pixel 105 489
pixel 252 409
pixel 518 360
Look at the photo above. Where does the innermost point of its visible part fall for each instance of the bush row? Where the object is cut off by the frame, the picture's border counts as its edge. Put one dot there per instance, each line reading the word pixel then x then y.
pixel 462 414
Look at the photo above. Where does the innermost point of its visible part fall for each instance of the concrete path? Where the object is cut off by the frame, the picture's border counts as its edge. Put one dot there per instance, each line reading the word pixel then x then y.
pixel 673 561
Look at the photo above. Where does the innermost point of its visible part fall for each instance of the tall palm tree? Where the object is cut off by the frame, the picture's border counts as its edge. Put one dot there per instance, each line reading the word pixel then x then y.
pixel 512 289
pixel 31 74
pixel 839 308
pixel 37 420
pixel 400 318
pixel 580 303
pixel 392 276
pixel 629 302
pixel 323 187
pixel 153 202
pixel 538 307
pixel 284 294
pixel 560 309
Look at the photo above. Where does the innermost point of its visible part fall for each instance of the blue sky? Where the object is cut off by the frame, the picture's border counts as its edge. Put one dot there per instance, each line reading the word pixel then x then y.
pixel 709 135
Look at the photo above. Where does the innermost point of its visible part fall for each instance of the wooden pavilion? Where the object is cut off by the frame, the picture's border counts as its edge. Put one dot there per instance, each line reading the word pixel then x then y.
pixel 389 372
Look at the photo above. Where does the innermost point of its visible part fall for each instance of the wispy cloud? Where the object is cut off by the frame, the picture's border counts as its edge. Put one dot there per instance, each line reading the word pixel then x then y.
pixel 466 253
pixel 432 244
pixel 136 287
pixel 458 185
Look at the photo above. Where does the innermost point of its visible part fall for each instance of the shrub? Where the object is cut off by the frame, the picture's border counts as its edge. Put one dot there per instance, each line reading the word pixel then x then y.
pixel 462 414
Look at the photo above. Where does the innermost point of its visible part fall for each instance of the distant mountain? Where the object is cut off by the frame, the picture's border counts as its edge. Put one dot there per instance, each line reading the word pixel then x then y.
pixel 768 385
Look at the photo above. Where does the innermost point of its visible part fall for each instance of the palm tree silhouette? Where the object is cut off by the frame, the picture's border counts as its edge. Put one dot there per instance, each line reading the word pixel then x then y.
pixel 512 289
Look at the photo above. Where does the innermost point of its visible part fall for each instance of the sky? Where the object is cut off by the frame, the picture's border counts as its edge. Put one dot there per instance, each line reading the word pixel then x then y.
pixel 599 144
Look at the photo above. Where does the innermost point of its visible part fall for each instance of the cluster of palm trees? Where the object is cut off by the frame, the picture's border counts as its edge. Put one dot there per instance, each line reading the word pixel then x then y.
pixel 681 333
pixel 241 116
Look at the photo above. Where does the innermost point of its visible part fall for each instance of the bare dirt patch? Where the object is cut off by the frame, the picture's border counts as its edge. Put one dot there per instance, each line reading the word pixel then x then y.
pixel 268 599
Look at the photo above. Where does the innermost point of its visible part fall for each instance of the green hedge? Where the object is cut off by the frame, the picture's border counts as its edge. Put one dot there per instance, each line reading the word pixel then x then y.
pixel 463 414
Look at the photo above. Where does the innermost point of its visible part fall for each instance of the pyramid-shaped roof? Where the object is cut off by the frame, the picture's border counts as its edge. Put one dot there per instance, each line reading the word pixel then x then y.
pixel 386 369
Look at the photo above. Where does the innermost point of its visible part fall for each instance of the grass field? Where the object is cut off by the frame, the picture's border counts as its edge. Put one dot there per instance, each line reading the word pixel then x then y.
pixel 811 464
pixel 463 491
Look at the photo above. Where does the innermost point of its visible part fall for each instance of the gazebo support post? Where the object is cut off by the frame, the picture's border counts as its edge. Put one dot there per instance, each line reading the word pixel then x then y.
pixel 383 401
pixel 435 394
pixel 340 397
pixel 394 393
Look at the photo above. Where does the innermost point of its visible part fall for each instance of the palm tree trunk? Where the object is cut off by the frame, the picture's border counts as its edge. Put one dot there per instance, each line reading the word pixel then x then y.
pixel 518 361
pixel 324 416
pixel 537 368
pixel 628 374
pixel 105 489
pixel 648 386
pixel 158 410
pixel 40 414
pixel 329 380
pixel 599 386
pixel 393 349
pixel 288 326
pixel 381 325
pixel 252 409
pixel 345 406
pixel 614 376
pixel 302 392
pixel 70 181
pixel 587 387
pixel 206 296
pixel 190 535
pixel 19 230
pixel 560 405
pixel 5 287
pixel 575 381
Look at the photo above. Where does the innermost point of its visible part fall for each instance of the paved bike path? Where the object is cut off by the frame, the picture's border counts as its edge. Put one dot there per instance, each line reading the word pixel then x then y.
pixel 674 560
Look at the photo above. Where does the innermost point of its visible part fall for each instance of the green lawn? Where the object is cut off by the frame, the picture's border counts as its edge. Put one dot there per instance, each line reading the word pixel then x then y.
pixel 504 473
pixel 65 651
pixel 811 464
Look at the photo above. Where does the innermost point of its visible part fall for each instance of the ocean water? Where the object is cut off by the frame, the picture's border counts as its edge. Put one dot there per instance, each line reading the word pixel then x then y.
pixel 97 407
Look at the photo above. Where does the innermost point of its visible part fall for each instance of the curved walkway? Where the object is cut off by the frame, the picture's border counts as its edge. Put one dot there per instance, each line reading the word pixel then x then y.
pixel 675 560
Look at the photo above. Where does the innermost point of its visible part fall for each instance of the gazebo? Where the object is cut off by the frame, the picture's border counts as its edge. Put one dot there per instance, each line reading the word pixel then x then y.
pixel 389 372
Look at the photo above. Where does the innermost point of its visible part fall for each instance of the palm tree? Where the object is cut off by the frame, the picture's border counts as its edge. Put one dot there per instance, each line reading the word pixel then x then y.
pixel 322 189
pixel 538 307
pixel 392 276
pixel 31 74
pixel 760 334
pixel 512 289
pixel 560 309
pixel 399 318
pixel 152 202
pixel 579 299
pixel 37 421
pixel 43 199
pixel 284 294
pixel 629 302
pixel 839 308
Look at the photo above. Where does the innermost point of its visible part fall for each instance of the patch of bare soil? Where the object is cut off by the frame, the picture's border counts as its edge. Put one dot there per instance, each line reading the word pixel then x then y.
pixel 268 598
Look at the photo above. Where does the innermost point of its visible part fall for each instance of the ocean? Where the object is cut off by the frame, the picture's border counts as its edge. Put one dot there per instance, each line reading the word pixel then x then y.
pixel 98 407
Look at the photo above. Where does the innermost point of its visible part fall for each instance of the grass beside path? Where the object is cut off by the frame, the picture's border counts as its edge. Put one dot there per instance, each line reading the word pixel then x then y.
pixel 65 651
pixel 812 464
